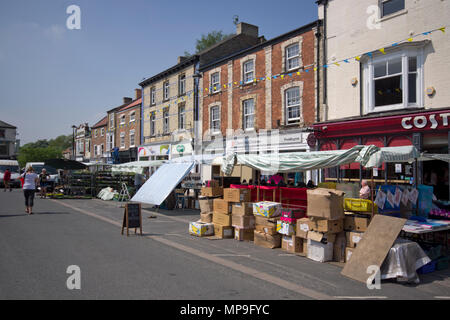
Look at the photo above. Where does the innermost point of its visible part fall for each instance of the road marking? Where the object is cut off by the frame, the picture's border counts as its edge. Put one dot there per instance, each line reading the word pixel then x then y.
pixel 286 255
pixel 232 265
pixel 362 298
pixel 231 255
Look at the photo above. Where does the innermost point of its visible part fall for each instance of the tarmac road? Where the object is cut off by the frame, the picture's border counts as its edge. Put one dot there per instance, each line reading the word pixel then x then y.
pixel 166 263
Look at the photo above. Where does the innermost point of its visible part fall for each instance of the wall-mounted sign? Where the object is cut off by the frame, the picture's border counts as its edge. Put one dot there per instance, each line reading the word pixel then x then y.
pixel 433 121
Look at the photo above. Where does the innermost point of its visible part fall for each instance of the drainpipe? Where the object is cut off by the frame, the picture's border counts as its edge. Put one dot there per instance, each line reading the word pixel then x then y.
pixel 325 37
pixel 319 34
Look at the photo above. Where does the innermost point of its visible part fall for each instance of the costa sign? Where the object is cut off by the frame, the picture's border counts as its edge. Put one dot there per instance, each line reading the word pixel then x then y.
pixel 433 121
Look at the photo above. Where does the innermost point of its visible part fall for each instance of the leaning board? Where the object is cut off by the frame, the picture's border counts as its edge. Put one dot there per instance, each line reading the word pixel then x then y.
pixel 373 247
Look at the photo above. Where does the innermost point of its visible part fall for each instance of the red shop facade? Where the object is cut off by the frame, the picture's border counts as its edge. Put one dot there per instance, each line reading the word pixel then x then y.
pixel 427 131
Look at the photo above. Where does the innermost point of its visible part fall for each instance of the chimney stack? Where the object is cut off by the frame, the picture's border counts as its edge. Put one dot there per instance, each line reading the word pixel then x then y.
pixel 181 59
pixel 137 94
pixel 248 29
pixel 127 100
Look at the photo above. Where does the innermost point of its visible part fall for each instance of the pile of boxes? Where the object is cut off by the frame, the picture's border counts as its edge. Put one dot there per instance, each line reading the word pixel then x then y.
pixel 358 214
pixel 267 215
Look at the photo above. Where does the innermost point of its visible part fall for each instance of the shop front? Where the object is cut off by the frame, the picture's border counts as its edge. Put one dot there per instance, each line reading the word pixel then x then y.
pixel 427 131
pixel 154 152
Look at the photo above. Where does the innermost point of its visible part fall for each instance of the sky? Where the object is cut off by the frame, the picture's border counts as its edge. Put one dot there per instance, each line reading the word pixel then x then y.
pixel 52 77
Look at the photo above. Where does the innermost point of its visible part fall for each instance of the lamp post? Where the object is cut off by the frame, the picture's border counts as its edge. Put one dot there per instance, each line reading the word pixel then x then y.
pixel 73 142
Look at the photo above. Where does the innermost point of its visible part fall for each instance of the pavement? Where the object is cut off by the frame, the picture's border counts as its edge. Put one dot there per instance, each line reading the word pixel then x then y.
pixel 166 263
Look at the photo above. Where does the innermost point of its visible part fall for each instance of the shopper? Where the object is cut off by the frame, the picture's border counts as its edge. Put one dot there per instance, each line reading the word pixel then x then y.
pixel 7 180
pixel 364 193
pixel 31 180
pixel 43 182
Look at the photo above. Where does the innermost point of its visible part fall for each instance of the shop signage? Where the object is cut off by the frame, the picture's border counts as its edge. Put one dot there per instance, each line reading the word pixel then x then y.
pixel 132 217
pixel 432 121
pixel 155 150
pixel 180 148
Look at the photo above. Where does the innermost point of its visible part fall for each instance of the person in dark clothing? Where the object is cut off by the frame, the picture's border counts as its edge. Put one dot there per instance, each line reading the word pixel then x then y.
pixel 310 185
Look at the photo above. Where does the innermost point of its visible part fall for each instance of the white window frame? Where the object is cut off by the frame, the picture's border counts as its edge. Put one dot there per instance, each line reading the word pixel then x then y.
pixel 182 117
pixel 122 119
pixel 166 90
pixel 132 141
pixel 215 85
pixel 246 115
pixel 369 84
pixel 182 85
pixel 122 140
pixel 152 96
pixel 152 125
pixel 111 120
pixel 217 120
pixel 95 133
pixel 166 121
pixel 287 106
pixel 133 116
pixel 102 132
pixel 247 72
pixel 382 15
pixel 288 58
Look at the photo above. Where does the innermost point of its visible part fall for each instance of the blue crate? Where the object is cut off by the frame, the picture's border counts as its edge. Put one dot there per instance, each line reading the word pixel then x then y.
pixel 428 268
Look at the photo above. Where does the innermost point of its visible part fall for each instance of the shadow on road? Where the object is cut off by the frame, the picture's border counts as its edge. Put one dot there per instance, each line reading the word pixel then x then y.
pixel 12 215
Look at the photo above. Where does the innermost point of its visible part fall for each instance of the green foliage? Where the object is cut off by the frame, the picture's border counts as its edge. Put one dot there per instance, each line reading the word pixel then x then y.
pixel 210 39
pixel 43 150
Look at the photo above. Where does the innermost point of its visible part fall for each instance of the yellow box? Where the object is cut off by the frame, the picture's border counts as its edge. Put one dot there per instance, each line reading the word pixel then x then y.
pixel 359 205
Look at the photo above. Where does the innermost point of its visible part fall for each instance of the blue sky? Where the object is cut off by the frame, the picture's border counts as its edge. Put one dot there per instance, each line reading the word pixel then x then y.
pixel 52 77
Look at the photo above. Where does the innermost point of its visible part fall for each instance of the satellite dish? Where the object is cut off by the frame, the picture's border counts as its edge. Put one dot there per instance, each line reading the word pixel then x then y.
pixel 236 19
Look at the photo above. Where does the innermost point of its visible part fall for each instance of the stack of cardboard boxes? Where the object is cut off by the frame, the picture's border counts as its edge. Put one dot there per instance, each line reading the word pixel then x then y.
pixel 287 227
pixel 325 226
pixel 358 214
pixel 204 227
pixel 267 215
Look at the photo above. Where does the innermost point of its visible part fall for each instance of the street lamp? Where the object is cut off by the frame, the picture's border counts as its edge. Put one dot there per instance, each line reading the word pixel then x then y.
pixel 73 141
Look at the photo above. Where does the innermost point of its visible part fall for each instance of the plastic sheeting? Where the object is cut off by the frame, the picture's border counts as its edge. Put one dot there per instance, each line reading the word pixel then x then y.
pixel 392 155
pixel 299 161
pixel 162 183
pixel 403 260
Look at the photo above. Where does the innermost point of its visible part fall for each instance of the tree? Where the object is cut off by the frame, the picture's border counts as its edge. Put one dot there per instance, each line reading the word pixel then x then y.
pixel 208 40
pixel 43 150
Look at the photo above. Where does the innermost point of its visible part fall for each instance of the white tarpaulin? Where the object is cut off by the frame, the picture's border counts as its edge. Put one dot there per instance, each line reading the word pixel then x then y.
pixel 162 183
pixel 134 167
pixel 392 155
pixel 198 159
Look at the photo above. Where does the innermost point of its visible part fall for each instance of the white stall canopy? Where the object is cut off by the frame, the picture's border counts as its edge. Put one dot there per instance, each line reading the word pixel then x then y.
pixel 162 183
pixel 134 167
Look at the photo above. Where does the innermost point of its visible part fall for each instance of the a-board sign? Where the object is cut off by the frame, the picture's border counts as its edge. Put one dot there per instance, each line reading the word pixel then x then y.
pixel 132 217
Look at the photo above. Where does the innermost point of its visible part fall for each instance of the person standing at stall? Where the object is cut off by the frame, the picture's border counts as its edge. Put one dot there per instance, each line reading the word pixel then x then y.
pixel 364 193
pixel 31 180
pixel 43 181
pixel 7 180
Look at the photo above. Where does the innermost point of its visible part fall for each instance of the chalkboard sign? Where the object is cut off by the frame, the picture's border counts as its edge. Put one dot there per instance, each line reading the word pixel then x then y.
pixel 132 217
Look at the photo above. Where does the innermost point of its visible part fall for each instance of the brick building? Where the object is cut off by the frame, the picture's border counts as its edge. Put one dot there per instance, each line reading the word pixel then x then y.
pixel 98 141
pixel 261 95
pixel 83 143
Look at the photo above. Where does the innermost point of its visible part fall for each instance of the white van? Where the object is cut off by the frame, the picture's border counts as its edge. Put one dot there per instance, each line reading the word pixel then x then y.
pixel 38 166
pixel 13 167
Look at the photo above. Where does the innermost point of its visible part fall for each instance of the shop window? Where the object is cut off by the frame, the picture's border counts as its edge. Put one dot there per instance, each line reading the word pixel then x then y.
pixel 393 82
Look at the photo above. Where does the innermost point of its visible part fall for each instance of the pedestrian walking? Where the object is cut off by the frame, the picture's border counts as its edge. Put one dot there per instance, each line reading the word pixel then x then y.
pixel 43 182
pixel 31 180
pixel 7 180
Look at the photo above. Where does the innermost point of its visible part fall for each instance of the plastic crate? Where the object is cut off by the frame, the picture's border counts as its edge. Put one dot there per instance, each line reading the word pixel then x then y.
pixel 428 268
pixel 359 205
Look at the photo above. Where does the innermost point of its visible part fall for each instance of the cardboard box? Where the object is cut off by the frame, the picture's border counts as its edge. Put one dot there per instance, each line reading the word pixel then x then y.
pixel 222 219
pixel 266 240
pixel 356 223
pixel 287 229
pixel 268 230
pixel 222 206
pixel 201 229
pixel 292 215
pixel 243 234
pixel 325 204
pixel 212 183
pixel 243 222
pixel 266 222
pixel 292 244
pixel 237 195
pixel 304 252
pixel 319 251
pixel 223 232
pixel 348 253
pixel 206 217
pixel 242 209
pixel 326 226
pixel 206 205
pixel 339 247
pixel 267 209
pixel 321 237
pixel 212 191
pixel 353 238
pixel 302 228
